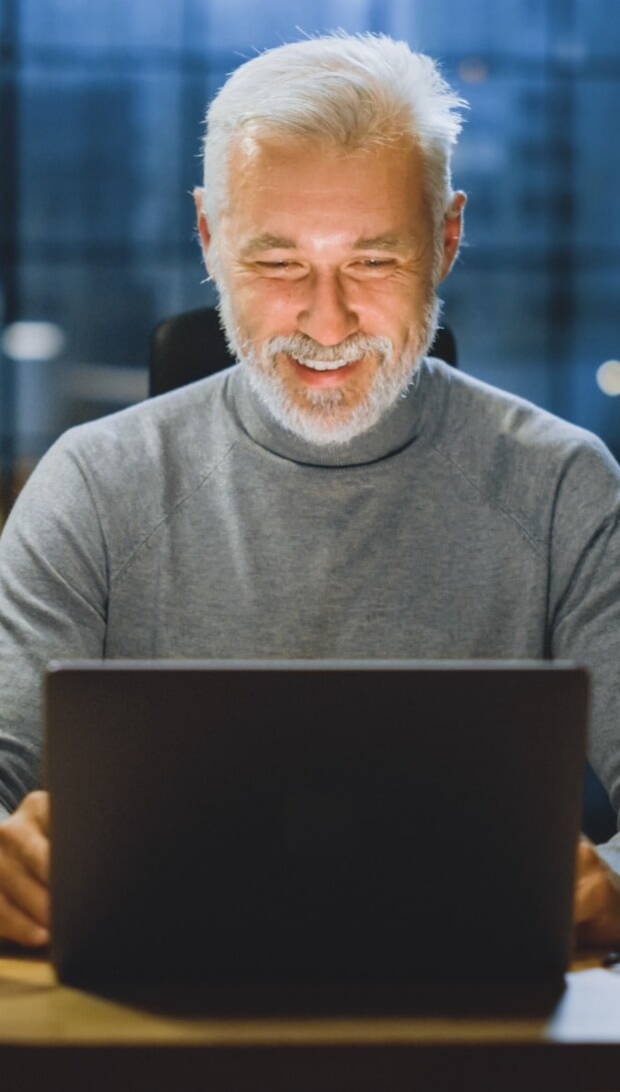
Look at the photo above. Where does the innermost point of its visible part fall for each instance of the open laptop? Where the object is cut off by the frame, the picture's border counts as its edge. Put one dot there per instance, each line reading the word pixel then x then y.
pixel 272 821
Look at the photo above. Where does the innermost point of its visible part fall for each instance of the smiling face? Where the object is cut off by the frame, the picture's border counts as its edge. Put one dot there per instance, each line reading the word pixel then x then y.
pixel 326 269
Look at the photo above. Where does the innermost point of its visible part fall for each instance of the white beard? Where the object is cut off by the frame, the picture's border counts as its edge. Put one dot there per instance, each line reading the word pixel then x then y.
pixel 322 415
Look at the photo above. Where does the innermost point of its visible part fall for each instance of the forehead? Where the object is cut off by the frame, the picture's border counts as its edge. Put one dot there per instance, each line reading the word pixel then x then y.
pixel 292 188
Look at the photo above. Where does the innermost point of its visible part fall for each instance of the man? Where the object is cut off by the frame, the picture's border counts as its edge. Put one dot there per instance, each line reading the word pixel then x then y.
pixel 336 494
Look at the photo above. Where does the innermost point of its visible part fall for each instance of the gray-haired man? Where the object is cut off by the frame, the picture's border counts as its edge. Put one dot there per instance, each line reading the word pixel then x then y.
pixel 336 494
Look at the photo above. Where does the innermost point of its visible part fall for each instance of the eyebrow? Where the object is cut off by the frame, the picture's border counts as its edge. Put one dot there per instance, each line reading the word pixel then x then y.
pixel 379 242
pixel 266 241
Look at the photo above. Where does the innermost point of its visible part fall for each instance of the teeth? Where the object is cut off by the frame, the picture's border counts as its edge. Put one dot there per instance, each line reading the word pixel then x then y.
pixel 323 365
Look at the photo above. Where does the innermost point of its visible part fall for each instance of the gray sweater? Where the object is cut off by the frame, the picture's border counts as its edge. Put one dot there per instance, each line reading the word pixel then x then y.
pixel 466 524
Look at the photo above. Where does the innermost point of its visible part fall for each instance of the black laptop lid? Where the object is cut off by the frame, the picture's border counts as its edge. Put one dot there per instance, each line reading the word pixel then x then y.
pixel 310 820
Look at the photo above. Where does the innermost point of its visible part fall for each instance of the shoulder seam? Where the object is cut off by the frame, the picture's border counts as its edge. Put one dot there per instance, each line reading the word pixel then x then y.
pixel 536 544
pixel 78 463
pixel 115 576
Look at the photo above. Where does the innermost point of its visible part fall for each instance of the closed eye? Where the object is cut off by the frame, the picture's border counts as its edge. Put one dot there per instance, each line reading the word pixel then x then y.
pixel 372 267
pixel 288 268
pixel 375 263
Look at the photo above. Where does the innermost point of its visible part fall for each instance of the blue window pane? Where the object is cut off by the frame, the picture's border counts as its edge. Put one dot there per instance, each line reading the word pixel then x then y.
pixel 101 127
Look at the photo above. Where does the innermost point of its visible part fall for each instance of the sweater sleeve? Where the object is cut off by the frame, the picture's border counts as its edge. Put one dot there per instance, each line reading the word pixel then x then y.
pixel 53 598
pixel 585 603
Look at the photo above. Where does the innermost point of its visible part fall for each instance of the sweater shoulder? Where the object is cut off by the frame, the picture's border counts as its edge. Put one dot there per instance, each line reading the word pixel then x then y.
pixel 158 431
pixel 518 456
pixel 140 464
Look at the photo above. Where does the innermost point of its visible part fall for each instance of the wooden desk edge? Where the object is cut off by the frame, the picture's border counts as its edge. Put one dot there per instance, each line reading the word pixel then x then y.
pixel 38 1011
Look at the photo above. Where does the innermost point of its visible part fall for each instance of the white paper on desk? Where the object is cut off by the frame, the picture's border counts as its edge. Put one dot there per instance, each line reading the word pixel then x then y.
pixel 589 1010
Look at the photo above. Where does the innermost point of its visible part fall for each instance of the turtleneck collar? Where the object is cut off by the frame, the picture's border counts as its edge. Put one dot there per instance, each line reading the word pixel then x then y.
pixel 393 432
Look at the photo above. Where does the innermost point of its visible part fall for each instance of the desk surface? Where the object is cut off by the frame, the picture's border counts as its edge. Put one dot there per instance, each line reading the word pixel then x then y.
pixel 52 1031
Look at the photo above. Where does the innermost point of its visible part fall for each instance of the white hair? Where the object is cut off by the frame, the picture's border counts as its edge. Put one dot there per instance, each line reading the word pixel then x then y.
pixel 348 91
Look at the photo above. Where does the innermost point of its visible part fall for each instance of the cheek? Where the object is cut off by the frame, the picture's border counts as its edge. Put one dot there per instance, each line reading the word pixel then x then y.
pixel 266 305
pixel 400 315
pixel 392 309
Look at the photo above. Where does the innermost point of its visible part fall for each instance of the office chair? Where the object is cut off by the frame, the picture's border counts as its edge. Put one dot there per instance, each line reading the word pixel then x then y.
pixel 192 345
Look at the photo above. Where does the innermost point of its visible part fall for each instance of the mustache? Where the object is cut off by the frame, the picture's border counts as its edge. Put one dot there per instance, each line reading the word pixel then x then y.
pixel 305 348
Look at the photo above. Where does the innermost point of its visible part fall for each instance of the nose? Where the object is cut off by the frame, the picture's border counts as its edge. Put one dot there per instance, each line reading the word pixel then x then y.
pixel 327 316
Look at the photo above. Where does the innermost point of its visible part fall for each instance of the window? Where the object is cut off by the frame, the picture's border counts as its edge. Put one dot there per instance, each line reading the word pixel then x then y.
pixel 102 107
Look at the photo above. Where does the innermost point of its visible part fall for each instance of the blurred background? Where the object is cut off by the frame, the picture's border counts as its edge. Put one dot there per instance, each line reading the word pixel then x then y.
pixel 101 114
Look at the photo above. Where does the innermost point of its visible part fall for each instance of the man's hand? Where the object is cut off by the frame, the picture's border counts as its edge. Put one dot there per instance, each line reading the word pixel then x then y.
pixel 597 898
pixel 24 872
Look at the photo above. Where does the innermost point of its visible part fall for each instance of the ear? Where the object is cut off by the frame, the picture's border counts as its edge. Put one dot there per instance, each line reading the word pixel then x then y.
pixel 202 225
pixel 452 231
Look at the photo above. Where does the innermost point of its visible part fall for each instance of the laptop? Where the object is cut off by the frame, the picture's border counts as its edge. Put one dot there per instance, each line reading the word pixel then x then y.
pixel 313 821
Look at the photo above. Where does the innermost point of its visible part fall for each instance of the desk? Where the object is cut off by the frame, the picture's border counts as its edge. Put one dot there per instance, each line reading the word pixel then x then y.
pixel 55 1037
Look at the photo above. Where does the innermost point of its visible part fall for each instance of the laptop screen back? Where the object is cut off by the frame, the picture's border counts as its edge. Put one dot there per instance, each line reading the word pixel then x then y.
pixel 312 820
